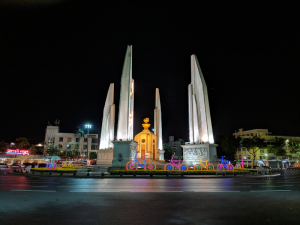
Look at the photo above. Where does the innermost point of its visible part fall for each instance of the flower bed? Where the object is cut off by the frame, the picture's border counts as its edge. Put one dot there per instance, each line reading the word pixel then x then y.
pixel 58 169
pixel 165 172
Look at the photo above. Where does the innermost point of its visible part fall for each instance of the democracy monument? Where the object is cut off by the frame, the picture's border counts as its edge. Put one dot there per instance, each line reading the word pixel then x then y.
pixel 117 152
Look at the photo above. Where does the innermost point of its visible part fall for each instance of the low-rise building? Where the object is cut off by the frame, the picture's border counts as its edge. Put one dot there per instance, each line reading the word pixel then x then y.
pixel 264 156
pixel 67 141
pixel 176 146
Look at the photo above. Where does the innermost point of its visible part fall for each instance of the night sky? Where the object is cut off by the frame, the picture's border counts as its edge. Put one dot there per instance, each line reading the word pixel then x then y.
pixel 57 60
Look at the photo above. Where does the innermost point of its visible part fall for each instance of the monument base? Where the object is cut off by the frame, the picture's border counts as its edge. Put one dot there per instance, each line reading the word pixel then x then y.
pixel 123 152
pixel 161 155
pixel 105 156
pixel 192 153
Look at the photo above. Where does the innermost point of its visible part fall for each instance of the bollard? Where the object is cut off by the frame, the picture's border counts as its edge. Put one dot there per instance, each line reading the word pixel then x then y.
pixel 41 172
pixel 88 174
pixel 223 174
pixel 50 173
pixel 121 174
pixel 102 174
pixel 61 173
pixel 182 174
pixel 32 171
pixel 167 174
pixel 134 174
pixel 234 174
pixel 151 175
pixel 74 174
pixel 244 174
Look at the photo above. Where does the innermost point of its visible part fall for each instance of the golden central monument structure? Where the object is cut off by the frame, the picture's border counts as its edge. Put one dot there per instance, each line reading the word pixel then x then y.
pixel 147 143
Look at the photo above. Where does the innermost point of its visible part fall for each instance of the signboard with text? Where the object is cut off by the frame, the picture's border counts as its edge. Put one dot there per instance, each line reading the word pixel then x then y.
pixel 17 152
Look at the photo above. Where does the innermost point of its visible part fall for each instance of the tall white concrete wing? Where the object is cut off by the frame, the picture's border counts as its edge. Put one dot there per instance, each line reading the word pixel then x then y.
pixel 125 120
pixel 157 120
pixel 108 121
pixel 200 127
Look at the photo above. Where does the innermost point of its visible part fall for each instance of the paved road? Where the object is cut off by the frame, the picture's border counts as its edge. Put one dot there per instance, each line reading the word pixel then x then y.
pixel 60 200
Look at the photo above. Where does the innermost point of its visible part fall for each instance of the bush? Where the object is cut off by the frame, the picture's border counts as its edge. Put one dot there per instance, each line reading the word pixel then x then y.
pixel 164 172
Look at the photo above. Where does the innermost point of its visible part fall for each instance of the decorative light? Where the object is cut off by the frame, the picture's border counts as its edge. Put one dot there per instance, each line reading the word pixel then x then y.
pixel 17 152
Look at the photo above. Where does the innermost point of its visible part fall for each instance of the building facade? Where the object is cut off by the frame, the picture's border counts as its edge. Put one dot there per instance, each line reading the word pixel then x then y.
pixel 176 146
pixel 67 141
pixel 264 156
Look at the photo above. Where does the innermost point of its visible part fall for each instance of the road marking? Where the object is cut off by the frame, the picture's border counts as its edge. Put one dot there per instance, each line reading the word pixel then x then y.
pixel 27 186
pixel 253 183
pixel 270 190
pixel 217 191
pixel 276 186
pixel 95 191
pixel 35 190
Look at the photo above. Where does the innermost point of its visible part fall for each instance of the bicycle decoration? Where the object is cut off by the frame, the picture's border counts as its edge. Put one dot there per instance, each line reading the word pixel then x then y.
pixel 240 165
pixel 134 164
pixel 204 164
pixel 52 163
pixel 175 164
pixel 67 163
pixel 224 164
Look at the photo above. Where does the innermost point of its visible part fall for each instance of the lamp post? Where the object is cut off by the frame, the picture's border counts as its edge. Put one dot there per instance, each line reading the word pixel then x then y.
pixel 87 126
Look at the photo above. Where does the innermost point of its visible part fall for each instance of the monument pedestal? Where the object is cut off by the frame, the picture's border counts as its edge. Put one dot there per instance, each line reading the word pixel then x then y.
pixel 105 156
pixel 192 153
pixel 161 155
pixel 123 152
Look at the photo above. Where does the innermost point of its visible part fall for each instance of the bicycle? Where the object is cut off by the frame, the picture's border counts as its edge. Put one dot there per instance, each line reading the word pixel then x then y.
pixel 224 164
pixel 176 163
pixel 204 164
pixel 134 164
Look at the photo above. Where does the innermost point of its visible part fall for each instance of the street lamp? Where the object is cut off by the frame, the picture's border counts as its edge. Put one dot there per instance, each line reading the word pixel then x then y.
pixel 87 126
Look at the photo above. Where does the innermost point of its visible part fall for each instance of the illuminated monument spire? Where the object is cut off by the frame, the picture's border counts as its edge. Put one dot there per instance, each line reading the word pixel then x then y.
pixel 200 128
pixel 108 121
pixel 157 120
pixel 125 120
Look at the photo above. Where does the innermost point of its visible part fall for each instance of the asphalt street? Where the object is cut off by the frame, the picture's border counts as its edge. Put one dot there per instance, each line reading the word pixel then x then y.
pixel 235 200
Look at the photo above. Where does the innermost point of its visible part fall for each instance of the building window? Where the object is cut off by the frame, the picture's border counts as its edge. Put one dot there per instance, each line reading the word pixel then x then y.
pixel 77 139
pixel 69 139
pixel 61 139
pixel 60 146
pixel 248 156
pixel 94 140
pixel 94 147
pixel 262 151
pixel 85 140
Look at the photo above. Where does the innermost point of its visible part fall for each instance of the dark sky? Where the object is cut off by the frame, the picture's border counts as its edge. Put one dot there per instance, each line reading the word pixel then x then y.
pixel 57 61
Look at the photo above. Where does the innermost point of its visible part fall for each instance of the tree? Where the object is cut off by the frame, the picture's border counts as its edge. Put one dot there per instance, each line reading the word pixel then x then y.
pixel 168 151
pixel 93 155
pixel 53 150
pixel 21 143
pixel 230 144
pixel 2 146
pixel 79 132
pixel 254 144
pixel 294 147
pixel 278 147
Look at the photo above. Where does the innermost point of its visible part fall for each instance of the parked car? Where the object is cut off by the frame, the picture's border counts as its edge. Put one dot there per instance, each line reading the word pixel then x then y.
pixel 3 165
pixel 16 165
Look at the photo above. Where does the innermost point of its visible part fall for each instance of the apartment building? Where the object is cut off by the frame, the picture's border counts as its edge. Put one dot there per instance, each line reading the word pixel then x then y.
pixel 66 141
pixel 263 156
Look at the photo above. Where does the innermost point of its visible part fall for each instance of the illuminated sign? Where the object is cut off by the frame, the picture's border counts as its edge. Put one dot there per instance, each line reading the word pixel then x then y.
pixel 17 152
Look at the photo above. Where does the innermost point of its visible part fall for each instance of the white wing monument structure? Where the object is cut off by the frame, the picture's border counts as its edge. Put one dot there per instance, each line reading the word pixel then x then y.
pixel 124 146
pixel 105 153
pixel 158 125
pixel 200 127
